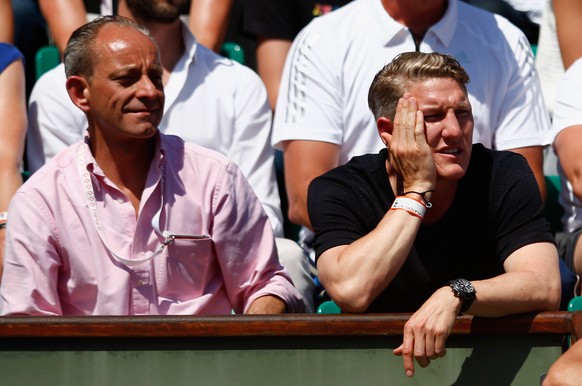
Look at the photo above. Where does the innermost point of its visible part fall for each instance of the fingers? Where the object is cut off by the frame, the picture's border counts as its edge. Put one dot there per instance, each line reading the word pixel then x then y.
pixel 407 351
pixel 420 346
pixel 419 134
pixel 405 119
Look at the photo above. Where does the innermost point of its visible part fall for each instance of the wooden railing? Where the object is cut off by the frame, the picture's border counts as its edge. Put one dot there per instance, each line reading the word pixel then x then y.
pixel 316 349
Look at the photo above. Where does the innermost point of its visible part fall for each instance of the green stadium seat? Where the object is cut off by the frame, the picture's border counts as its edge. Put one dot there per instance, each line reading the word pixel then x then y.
pixel 47 58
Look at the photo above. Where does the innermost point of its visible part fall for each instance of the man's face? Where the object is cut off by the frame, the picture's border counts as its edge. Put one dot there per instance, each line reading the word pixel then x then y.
pixel 125 94
pixel 449 124
pixel 160 11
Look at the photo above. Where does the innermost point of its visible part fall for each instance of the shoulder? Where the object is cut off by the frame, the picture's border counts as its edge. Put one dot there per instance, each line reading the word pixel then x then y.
pixel 358 173
pixel 221 65
pixel 483 159
pixel 45 180
pixel 335 24
pixel 193 154
pixel 487 27
pixel 51 83
pixel 226 75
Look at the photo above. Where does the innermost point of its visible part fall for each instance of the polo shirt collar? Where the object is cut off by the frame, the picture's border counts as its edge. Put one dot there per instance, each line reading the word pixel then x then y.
pixel 389 29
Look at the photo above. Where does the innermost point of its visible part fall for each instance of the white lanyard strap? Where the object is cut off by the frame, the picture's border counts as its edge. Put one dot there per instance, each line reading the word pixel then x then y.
pixel 92 204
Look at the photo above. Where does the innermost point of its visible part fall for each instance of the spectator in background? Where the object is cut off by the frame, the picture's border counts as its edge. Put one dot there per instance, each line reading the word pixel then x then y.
pixel 210 100
pixel 274 24
pixel 567 124
pixel 321 119
pixel 132 221
pixel 548 58
pixel 12 130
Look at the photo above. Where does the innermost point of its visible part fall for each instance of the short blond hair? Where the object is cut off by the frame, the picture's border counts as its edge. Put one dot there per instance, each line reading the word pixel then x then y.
pixel 406 69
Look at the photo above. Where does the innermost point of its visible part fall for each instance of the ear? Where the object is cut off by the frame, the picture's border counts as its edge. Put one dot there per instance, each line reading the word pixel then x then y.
pixel 78 90
pixel 385 127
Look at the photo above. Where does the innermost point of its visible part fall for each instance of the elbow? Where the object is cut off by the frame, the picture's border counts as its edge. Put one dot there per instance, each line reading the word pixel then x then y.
pixel 297 214
pixel 577 187
pixel 552 301
pixel 552 296
pixel 350 299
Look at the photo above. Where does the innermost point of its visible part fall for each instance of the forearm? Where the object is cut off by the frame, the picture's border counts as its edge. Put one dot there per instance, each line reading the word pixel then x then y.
pixel 271 54
pixel 10 181
pixel 304 161
pixel 268 304
pixel 63 17
pixel 568 15
pixel 513 293
pixel 6 22
pixel 209 21
pixel 535 159
pixel 356 274
pixel 568 153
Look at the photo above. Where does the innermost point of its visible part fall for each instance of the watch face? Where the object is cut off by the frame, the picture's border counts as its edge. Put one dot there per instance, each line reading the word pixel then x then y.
pixel 464 288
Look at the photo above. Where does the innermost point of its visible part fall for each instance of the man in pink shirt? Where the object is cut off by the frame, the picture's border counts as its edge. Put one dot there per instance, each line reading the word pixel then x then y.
pixel 132 221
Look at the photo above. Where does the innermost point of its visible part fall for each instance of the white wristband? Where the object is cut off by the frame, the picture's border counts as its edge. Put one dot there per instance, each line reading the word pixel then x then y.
pixel 412 206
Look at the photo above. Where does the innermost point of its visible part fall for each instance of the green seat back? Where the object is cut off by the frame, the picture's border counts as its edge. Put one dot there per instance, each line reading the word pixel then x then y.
pixel 47 58
pixel 552 209
pixel 233 51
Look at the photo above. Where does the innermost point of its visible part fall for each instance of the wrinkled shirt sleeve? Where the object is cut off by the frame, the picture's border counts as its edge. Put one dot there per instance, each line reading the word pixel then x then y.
pixel 31 265
pixel 245 246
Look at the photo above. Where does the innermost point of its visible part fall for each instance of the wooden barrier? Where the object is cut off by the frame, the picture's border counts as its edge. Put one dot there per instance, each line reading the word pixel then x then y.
pixel 273 350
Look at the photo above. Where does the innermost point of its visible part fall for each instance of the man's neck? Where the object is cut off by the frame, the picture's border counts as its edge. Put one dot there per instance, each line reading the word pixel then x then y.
pixel 168 37
pixel 417 15
pixel 126 164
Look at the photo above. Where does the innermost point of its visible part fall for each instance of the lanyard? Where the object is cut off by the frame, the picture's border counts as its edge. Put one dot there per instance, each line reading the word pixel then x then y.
pixel 169 237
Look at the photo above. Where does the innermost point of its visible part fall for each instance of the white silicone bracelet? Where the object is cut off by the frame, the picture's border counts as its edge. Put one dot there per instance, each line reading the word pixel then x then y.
pixel 410 205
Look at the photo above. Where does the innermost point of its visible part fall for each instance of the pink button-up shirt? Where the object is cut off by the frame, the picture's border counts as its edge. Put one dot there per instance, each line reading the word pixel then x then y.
pixel 56 263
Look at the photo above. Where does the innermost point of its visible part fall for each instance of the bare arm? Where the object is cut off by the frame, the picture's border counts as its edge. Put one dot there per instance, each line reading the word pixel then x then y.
pixel 6 22
pixel 305 160
pixel 356 274
pixel 568 26
pixel 268 304
pixel 63 17
pixel 567 370
pixel 531 282
pixel 535 158
pixel 271 54
pixel 12 135
pixel 567 147
pixel 209 21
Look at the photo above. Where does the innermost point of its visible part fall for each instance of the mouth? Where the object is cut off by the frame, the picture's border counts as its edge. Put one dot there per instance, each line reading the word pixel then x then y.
pixel 451 151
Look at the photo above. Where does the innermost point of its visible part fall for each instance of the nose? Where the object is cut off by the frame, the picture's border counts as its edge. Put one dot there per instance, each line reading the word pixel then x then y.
pixel 146 88
pixel 452 127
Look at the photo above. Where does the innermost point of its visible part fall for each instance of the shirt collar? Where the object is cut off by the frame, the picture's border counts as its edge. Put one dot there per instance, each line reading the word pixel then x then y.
pixel 93 167
pixel 388 28
pixel 190 42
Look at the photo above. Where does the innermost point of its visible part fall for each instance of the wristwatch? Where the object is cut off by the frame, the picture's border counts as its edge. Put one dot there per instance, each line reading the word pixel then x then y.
pixel 464 290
